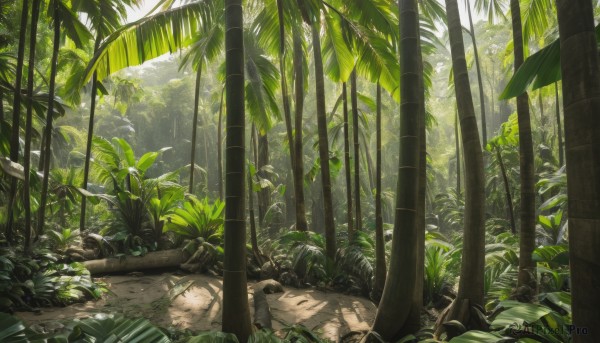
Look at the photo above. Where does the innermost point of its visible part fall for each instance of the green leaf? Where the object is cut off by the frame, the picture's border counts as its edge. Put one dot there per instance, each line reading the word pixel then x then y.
pixel 214 337
pixel 477 336
pixel 524 313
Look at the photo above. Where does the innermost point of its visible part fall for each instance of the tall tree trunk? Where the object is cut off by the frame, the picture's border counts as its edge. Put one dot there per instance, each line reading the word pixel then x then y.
pixel 284 90
pixel 458 160
pixel 16 117
pixel 47 152
pixel 220 147
pixel 509 203
pixel 35 13
pixel 526 162
pixel 323 144
pixel 301 224
pixel 470 289
pixel 580 67
pixel 380 267
pixel 236 312
pixel 195 127
pixel 348 173
pixel 253 237
pixel 264 195
pixel 479 79
pixel 90 136
pixel 561 154
pixel 355 130
pixel 396 301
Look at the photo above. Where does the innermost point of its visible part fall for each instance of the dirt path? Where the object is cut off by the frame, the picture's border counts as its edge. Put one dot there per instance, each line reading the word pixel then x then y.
pixel 199 308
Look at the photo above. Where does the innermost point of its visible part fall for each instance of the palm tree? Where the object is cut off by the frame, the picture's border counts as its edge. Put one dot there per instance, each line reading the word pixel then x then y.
pixel 236 313
pixel 479 79
pixel 16 116
pixel 580 67
pixel 349 209
pixel 380 266
pixel 470 289
pixel 397 298
pixel 526 161
pixel 355 129
pixel 35 14
pixel 104 18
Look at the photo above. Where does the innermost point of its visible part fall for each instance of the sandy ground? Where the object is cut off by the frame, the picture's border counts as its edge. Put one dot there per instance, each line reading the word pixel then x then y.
pixel 199 308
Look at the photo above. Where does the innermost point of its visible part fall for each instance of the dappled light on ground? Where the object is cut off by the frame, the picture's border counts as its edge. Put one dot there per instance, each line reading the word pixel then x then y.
pixel 199 307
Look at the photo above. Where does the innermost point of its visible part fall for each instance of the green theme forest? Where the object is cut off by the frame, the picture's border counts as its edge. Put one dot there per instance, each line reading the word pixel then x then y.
pixel 300 171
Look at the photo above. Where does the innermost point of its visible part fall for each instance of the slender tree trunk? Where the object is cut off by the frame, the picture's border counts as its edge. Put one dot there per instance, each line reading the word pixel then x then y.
pixel 253 237
pixel 470 289
pixel 380 267
pixel 479 79
pixel 35 13
pixel 509 203
pixel 398 293
pixel 284 90
pixel 458 160
pixel 301 224
pixel 220 147
pixel 264 195
pixel 561 154
pixel 349 208
pixel 323 144
pixel 580 65
pixel 90 136
pixel 47 152
pixel 236 312
pixel 195 127
pixel 355 130
pixel 16 117
pixel 528 220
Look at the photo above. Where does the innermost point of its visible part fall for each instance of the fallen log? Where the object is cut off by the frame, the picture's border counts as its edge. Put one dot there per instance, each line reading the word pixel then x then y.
pixel 262 312
pixel 152 260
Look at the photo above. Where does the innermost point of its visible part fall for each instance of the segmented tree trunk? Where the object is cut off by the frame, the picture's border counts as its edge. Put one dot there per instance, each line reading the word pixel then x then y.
pixel 580 67
pixel 479 79
pixel 35 13
pixel 323 144
pixel 301 223
pixel 457 147
pixel 396 301
pixel 355 130
pixel 16 117
pixel 526 162
pixel 470 288
pixel 195 127
pixel 348 173
pixel 561 153
pixel 236 312
pixel 220 147
pixel 380 267
pixel 90 136
pixel 47 151
pixel 264 195
pixel 509 203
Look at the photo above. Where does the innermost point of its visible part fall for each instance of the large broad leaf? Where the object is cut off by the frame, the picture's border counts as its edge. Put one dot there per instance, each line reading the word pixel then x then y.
pixel 539 70
pixel 214 337
pixel 153 36
pixel 12 330
pixel 110 328
pixel 558 254
pixel 477 336
pixel 338 59
pixel 520 315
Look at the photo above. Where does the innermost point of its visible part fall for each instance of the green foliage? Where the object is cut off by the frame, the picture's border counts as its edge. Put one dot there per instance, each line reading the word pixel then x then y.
pixel 198 219
pixel 26 282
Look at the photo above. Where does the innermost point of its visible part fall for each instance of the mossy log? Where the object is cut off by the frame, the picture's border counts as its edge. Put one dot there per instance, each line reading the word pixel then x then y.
pixel 152 260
